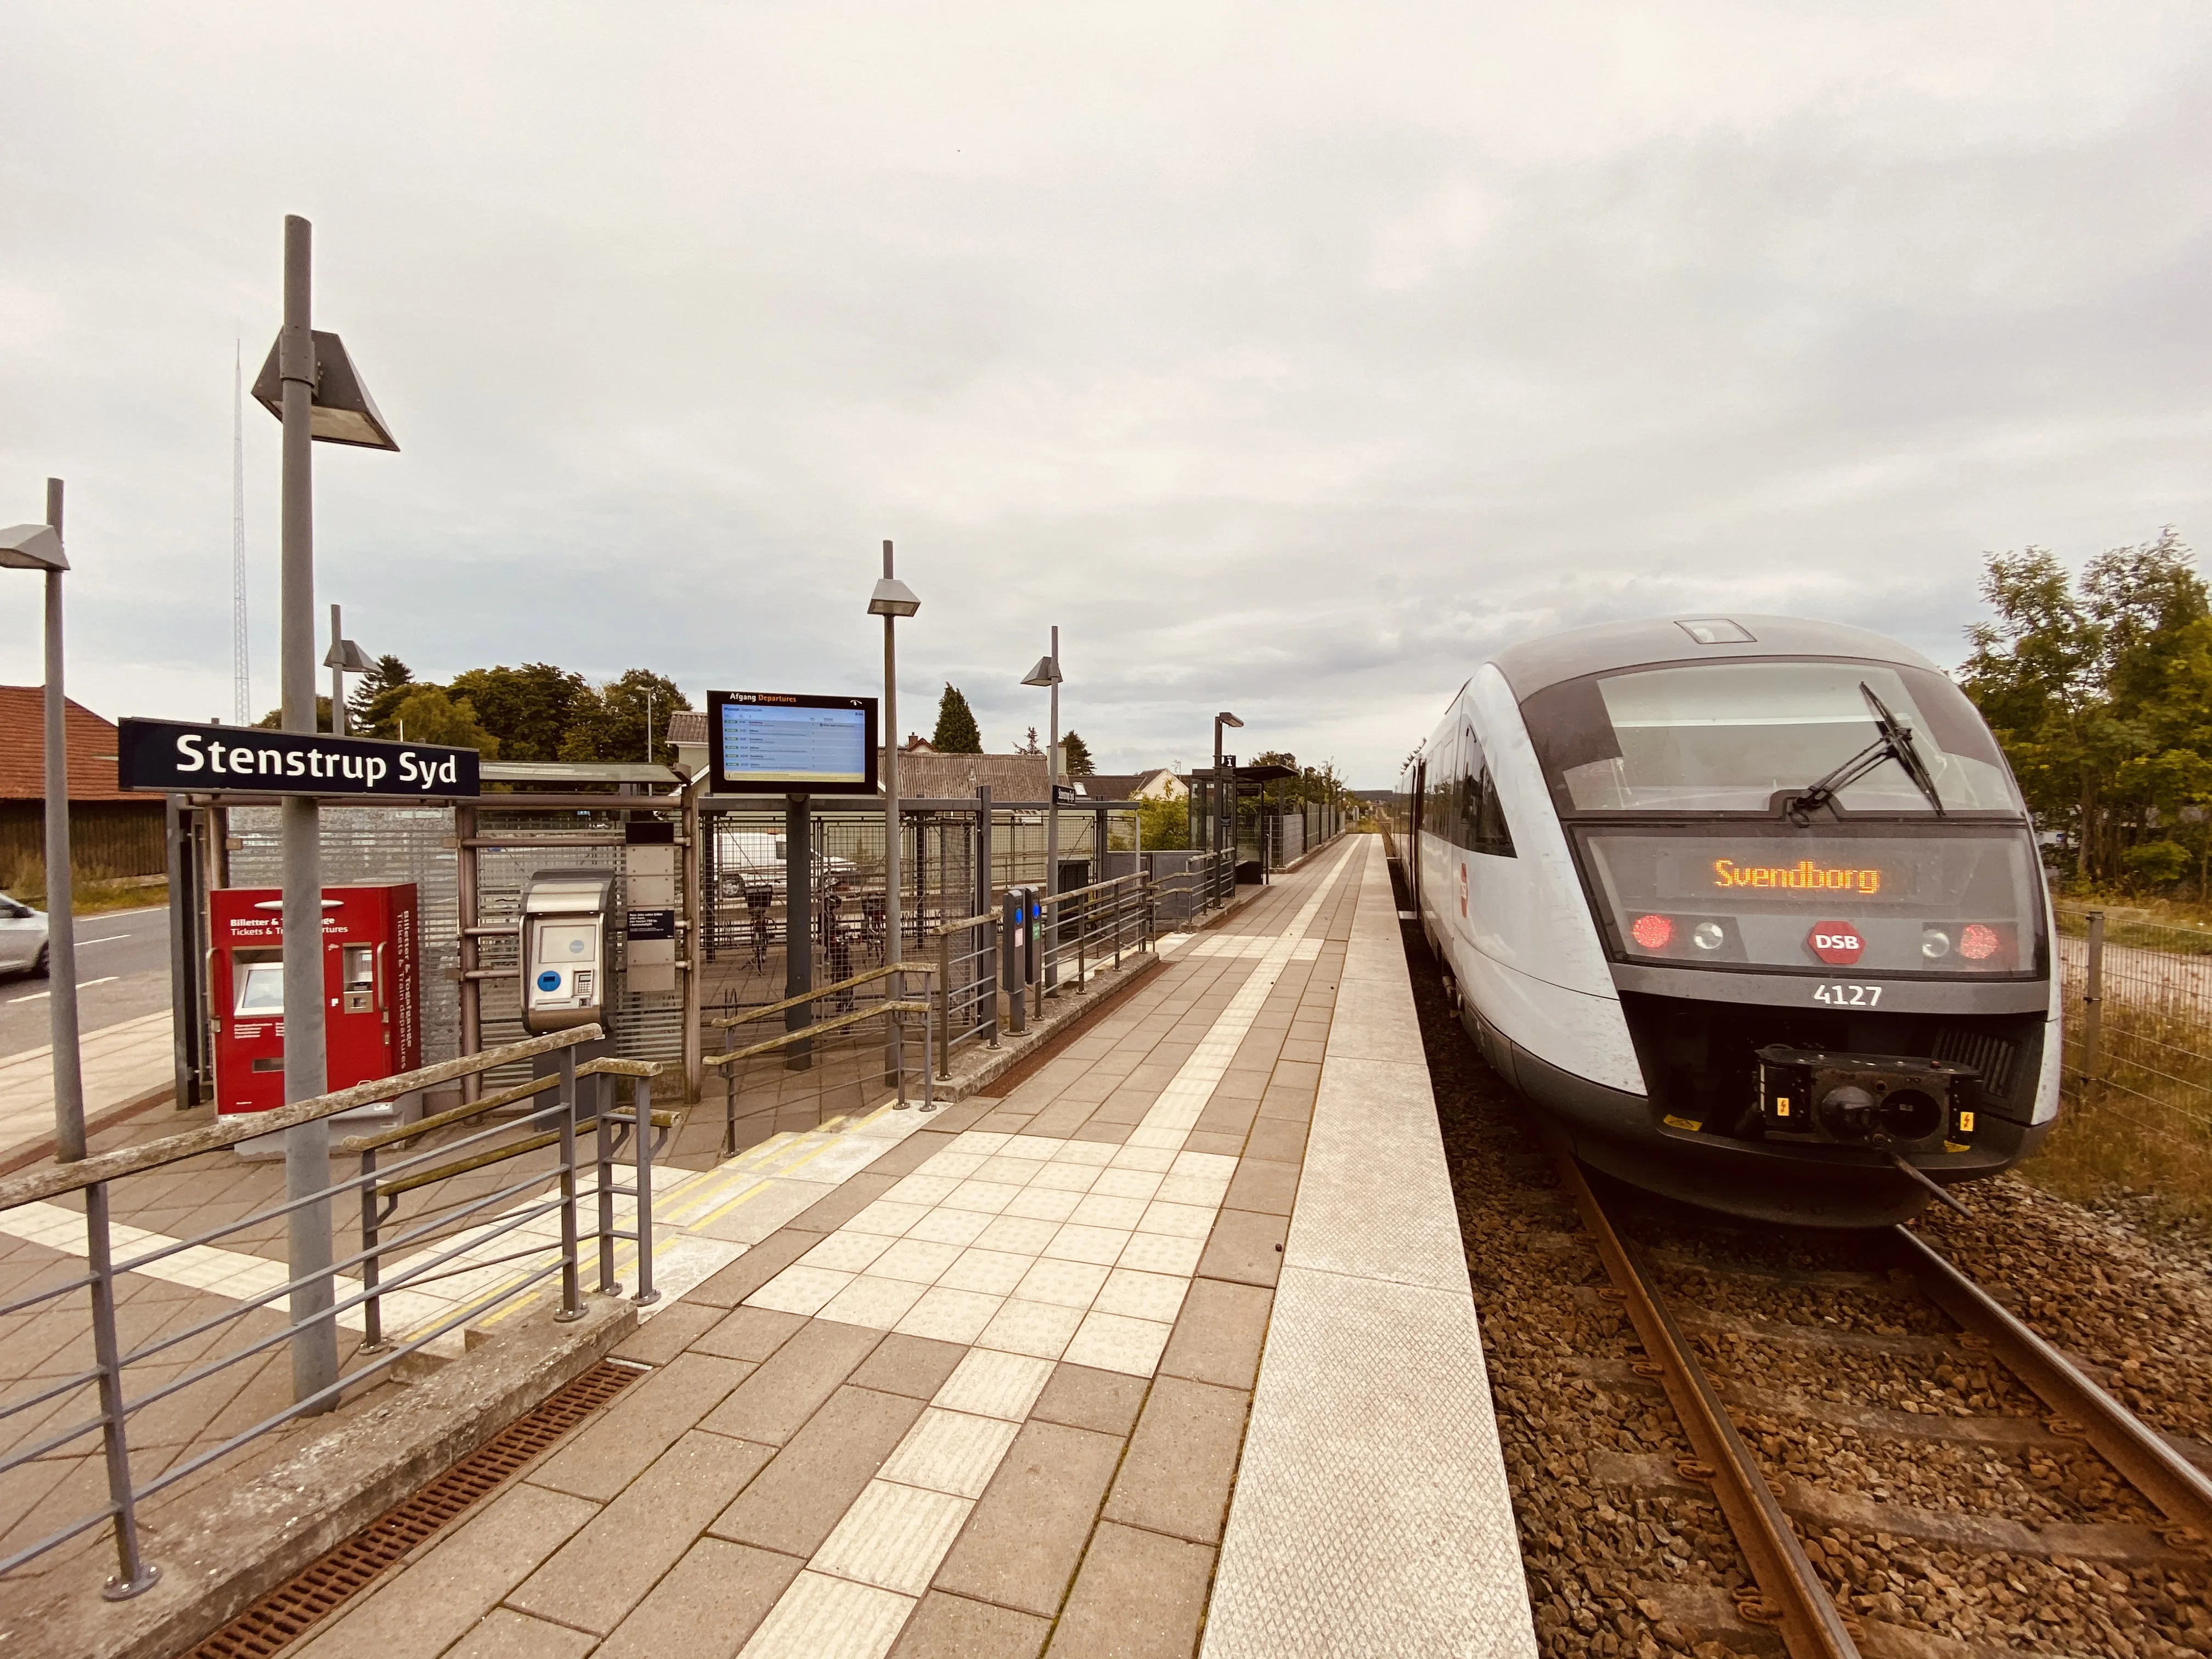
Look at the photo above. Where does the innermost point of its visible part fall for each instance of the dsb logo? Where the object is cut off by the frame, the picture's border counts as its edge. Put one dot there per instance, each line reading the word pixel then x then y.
pixel 1836 943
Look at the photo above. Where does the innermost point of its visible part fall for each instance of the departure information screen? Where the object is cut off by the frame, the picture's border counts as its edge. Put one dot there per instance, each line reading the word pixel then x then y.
pixel 786 743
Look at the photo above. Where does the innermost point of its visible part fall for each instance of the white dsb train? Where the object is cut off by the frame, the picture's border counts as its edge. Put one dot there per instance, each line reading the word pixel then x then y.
pixel 1751 907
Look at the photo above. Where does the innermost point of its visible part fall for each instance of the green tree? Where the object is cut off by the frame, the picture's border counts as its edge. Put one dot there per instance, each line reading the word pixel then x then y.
pixel 2099 690
pixel 274 720
pixel 1166 825
pixel 530 709
pixel 430 714
pixel 957 732
pixel 369 708
pixel 1075 756
pixel 612 726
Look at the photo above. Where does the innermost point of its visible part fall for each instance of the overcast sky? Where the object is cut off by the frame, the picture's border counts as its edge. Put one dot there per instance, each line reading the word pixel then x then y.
pixel 1289 358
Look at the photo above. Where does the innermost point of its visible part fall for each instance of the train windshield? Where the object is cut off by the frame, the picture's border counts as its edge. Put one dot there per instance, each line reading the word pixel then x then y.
pixel 1729 737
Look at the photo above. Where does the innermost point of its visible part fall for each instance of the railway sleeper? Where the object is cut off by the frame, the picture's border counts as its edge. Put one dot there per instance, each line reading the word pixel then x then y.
pixel 1805 1336
pixel 1709 1613
pixel 1655 1474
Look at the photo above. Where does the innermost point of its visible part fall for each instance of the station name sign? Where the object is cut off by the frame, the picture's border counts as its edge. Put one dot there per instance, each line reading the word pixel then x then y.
pixel 176 758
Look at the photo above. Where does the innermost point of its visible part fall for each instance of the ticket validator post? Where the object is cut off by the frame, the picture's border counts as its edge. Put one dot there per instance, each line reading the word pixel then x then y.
pixel 565 934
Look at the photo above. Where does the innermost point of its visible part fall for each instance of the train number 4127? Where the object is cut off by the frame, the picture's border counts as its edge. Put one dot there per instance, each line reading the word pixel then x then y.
pixel 1849 996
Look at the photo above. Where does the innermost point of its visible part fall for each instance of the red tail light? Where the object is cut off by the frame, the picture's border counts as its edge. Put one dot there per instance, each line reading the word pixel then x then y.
pixel 1653 932
pixel 1978 943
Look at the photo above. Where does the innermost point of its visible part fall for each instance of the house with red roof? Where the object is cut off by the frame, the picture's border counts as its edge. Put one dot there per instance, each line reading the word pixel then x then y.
pixel 111 833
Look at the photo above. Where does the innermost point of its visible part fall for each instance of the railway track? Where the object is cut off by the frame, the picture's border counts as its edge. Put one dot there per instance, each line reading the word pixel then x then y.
pixel 2155 1547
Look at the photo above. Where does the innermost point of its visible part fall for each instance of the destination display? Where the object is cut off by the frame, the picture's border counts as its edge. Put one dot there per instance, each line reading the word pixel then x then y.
pixel 174 757
pixel 789 743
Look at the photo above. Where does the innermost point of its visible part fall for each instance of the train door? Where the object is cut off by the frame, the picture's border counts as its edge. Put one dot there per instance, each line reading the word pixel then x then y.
pixel 1413 834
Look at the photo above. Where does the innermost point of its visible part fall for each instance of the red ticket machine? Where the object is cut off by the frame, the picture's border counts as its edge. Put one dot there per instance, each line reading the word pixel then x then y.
pixel 371 1013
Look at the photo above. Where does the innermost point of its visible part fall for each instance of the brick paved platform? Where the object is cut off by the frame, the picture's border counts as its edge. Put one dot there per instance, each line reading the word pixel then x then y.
pixel 1170 1345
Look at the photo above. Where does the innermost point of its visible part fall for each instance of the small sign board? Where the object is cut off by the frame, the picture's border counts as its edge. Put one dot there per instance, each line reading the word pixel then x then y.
pixel 174 757
pixel 785 743
pixel 643 925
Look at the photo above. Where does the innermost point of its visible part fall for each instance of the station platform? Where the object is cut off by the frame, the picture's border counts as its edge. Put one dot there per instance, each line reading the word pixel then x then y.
pixel 1168 1349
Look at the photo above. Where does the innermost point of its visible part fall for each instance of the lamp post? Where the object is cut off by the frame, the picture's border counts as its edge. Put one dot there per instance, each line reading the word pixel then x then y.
pixel 891 599
pixel 343 658
pixel 1224 718
pixel 309 383
pixel 38 547
pixel 1047 673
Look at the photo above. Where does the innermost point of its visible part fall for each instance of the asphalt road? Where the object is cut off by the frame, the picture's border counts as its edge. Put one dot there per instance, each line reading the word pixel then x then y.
pixel 122 973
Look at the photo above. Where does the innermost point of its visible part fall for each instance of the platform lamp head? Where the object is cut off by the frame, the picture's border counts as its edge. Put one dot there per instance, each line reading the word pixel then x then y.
pixel 32 547
pixel 340 410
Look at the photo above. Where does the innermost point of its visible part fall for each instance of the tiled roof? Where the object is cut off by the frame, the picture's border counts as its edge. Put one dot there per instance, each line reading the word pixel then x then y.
pixel 687 726
pixel 22 750
pixel 952 777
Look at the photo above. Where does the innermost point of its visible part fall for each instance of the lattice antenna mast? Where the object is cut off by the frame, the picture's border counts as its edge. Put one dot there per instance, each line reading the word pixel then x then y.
pixel 241 669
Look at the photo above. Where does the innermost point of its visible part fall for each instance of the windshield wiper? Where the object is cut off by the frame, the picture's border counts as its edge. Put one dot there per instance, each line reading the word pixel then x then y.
pixel 1895 744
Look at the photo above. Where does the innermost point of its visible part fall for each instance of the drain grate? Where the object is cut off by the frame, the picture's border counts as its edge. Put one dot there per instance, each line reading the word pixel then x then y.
pixel 304 1600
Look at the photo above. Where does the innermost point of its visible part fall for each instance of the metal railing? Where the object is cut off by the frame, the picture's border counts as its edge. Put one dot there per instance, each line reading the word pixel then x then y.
pixel 968 951
pixel 1086 928
pixel 904 1018
pixel 1199 882
pixel 448 1240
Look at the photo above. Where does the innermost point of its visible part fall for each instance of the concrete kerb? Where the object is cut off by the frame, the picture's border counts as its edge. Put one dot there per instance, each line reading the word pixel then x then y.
pixel 255 1536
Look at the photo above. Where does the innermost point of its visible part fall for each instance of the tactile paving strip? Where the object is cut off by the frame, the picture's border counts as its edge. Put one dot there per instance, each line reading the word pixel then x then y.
pixel 304 1600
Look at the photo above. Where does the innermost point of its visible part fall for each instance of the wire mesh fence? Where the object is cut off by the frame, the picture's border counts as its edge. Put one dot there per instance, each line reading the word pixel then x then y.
pixel 2136 1047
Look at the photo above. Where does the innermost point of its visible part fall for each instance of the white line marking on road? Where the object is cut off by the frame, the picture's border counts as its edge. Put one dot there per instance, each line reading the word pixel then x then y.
pixel 105 939
pixel 81 984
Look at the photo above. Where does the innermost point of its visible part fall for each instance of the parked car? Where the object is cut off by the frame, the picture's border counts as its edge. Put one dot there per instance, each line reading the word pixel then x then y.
pixel 755 858
pixel 22 938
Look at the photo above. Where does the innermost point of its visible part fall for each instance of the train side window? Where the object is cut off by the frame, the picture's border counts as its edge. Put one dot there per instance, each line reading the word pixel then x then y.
pixel 1467 802
pixel 1492 835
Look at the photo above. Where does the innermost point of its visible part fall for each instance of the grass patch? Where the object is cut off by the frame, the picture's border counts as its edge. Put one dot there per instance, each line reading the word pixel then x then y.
pixel 2144 1125
pixel 90 898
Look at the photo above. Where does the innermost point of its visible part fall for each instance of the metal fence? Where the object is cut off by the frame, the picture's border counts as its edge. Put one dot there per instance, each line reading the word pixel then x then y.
pixel 495 1207
pixel 843 1044
pixel 2138 1038
pixel 644 1025
pixel 1285 831
pixel 379 843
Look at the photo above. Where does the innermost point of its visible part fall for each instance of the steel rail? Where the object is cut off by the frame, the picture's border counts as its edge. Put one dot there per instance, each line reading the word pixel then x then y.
pixel 1790 1594
pixel 2082 1409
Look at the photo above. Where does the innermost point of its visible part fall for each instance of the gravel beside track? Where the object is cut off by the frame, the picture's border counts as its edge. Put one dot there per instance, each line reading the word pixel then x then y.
pixel 1945 1515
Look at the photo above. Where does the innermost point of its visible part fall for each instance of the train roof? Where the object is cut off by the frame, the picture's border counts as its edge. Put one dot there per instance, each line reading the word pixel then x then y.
pixel 1532 664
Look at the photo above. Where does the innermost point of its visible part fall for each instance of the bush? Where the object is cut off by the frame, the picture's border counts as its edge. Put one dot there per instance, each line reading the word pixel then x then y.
pixel 1167 825
pixel 2158 863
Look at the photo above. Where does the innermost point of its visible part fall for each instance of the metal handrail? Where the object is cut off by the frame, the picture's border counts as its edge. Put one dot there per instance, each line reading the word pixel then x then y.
pixel 51 1182
pixel 93 1176
pixel 821 1027
pixel 746 1016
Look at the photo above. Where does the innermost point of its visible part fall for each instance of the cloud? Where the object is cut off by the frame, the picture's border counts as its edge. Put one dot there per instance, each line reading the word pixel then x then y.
pixel 1290 358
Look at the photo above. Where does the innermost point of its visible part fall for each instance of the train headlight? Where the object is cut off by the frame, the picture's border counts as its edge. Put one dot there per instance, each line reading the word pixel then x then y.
pixel 1978 943
pixel 1709 936
pixel 1934 944
pixel 1653 932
